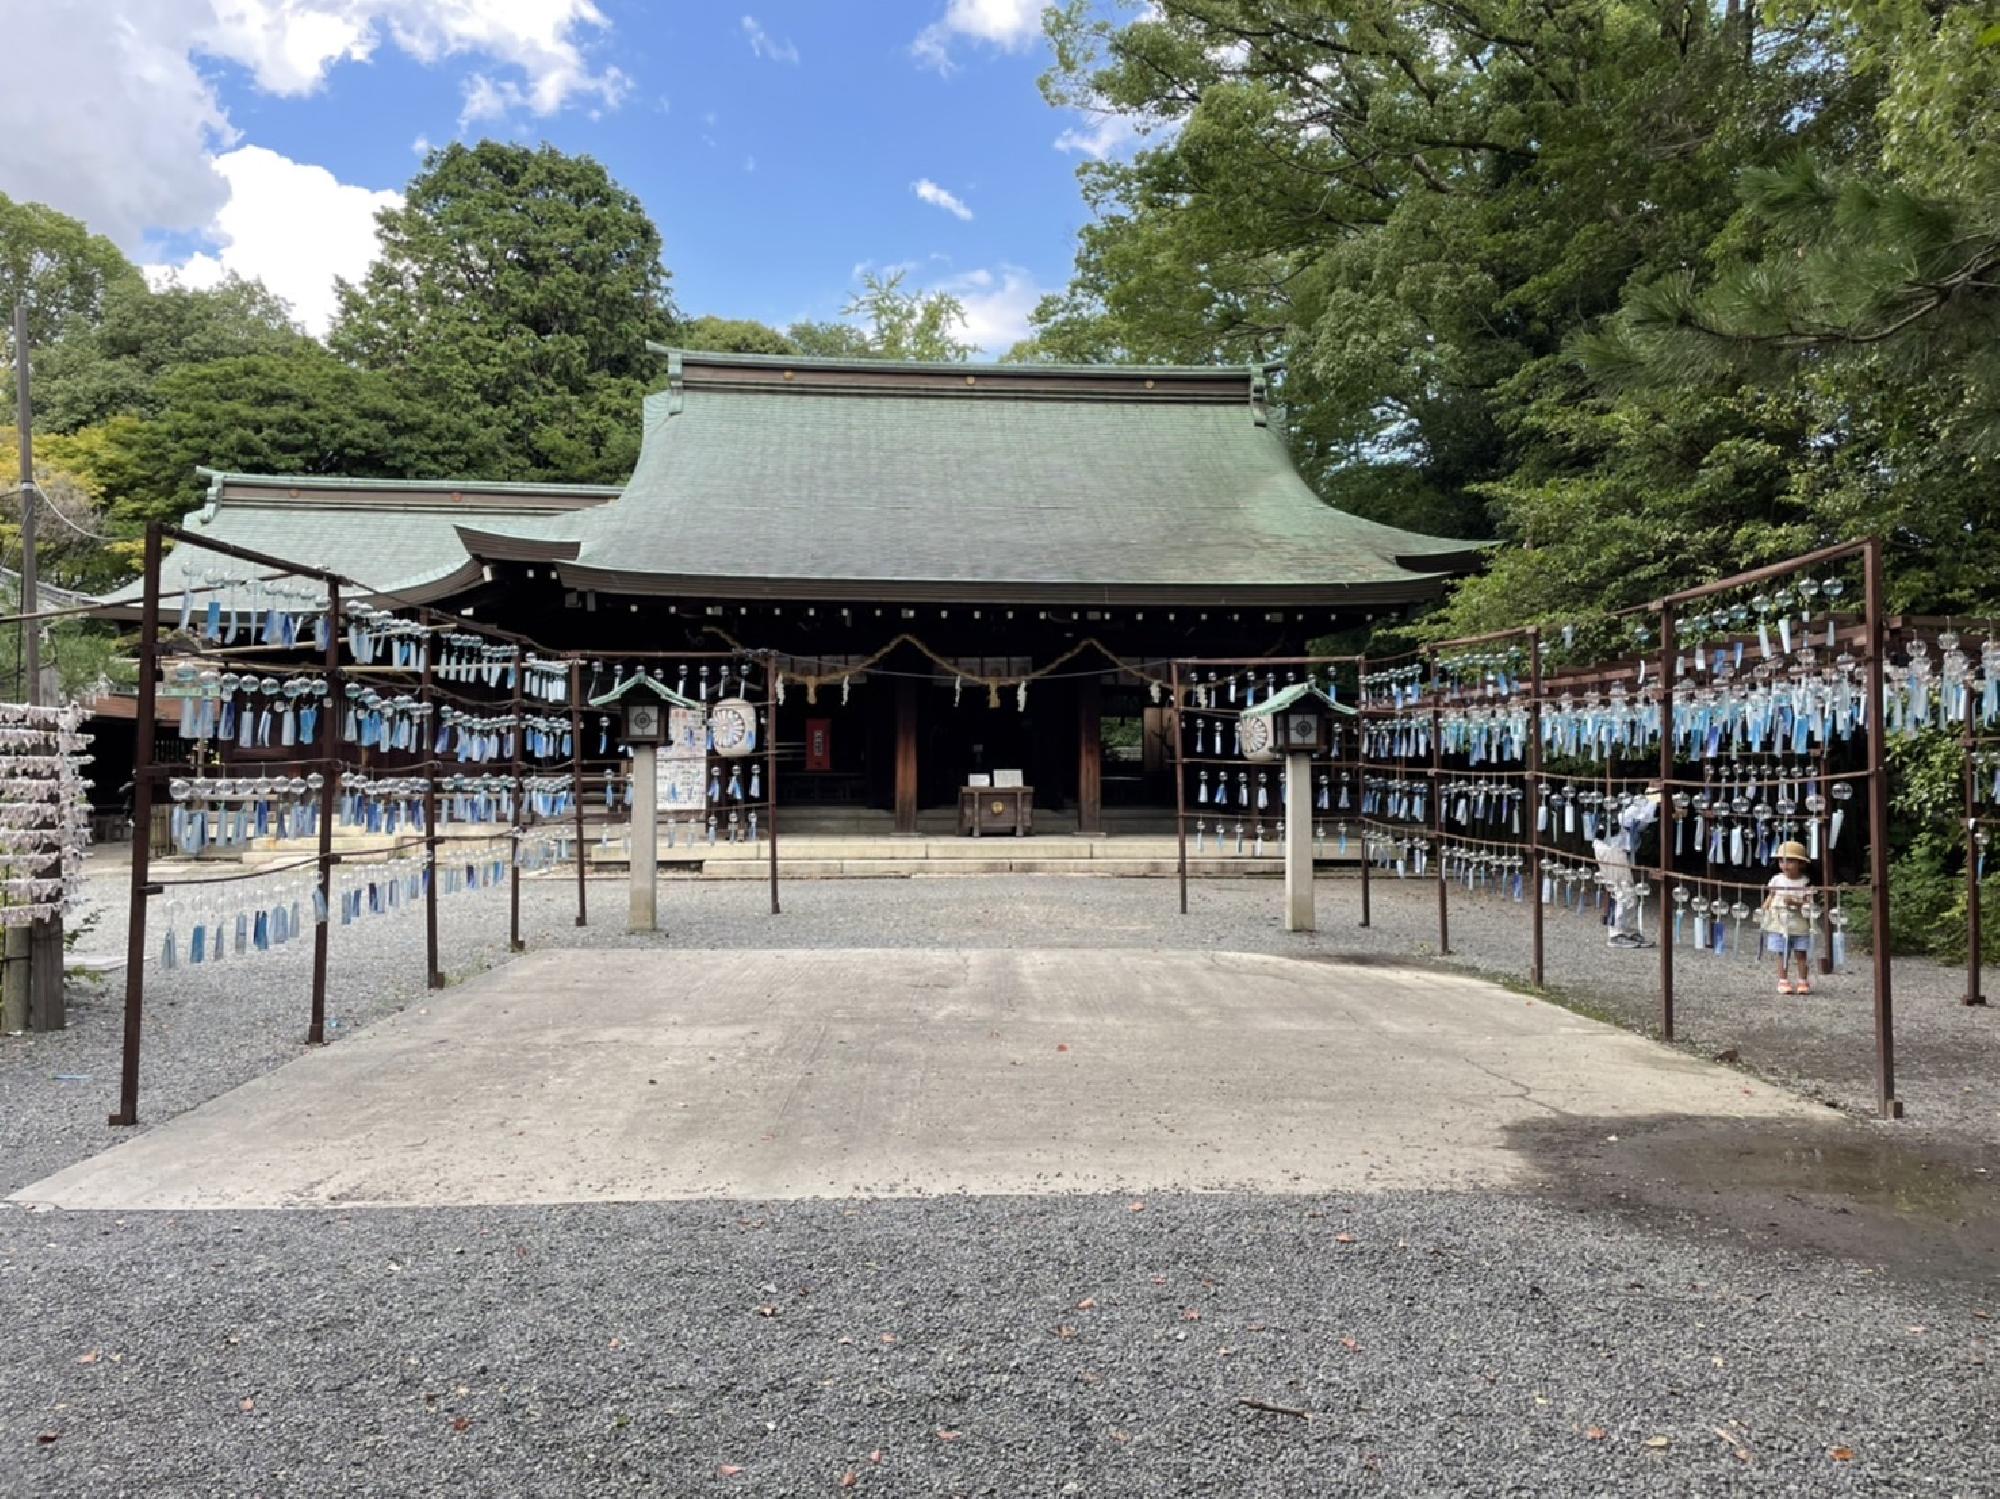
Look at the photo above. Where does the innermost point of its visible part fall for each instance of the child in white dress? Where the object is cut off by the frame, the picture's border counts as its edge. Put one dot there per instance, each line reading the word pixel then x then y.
pixel 1787 927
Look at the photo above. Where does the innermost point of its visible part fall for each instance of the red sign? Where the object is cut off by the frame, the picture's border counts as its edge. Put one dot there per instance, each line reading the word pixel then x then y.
pixel 819 744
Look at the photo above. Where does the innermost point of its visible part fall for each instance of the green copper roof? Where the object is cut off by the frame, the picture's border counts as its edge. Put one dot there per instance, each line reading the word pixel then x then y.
pixel 763 476
pixel 658 688
pixel 1279 701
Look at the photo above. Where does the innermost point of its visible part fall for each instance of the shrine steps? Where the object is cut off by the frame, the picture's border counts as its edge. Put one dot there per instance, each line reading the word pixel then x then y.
pixel 808 856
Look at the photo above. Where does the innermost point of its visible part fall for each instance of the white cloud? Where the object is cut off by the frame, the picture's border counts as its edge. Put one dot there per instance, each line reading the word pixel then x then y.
pixel 1102 134
pixel 421 146
pixel 116 124
pixel 767 46
pixel 997 304
pixel 950 202
pixel 1010 25
pixel 291 225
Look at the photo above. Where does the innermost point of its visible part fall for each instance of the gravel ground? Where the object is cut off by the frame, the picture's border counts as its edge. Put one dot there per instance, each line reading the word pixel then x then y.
pixel 1000 1346
pixel 1641 1332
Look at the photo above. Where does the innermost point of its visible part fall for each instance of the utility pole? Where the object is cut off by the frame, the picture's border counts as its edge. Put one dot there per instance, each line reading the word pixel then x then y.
pixel 34 969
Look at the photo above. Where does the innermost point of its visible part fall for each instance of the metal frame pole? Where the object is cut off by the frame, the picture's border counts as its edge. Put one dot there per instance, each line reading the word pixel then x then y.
pixel 329 748
pixel 771 769
pixel 1878 838
pixel 1437 804
pixel 1537 967
pixel 1180 777
pixel 1666 856
pixel 514 942
pixel 142 832
pixel 576 784
pixel 1975 993
pixel 433 974
pixel 1360 759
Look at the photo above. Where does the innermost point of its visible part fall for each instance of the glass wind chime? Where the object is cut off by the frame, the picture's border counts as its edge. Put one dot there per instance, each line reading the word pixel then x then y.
pixel 1241 811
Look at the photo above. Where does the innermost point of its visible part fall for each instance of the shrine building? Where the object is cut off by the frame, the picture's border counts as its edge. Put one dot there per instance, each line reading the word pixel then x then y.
pixel 904 536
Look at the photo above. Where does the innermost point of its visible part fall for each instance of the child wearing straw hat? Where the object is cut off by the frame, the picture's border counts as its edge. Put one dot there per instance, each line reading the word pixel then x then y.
pixel 1787 927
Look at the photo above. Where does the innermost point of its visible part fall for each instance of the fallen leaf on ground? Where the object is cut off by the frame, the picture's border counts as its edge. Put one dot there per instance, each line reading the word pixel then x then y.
pixel 767 1310
pixel 616 1344
pixel 888 1337
pixel 1656 1443
pixel 461 1423
pixel 948 1436
pixel 1343 1238
pixel 1135 1207
pixel 1062 1046
pixel 249 1404
pixel 875 1456
pixel 1086 1304
pixel 1595 1433
pixel 729 1470
pixel 89 1358
pixel 46 1437
pixel 1065 1332
pixel 1842 1454
pixel 1189 1314
pixel 849 1479
pixel 1350 1345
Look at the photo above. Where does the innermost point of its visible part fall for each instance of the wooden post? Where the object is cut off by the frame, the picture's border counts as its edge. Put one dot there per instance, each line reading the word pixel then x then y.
pixel 771 769
pixel 433 973
pixel 1537 968
pixel 906 756
pixel 1878 838
pixel 142 830
pixel 1360 767
pixel 1666 865
pixel 514 942
pixel 1437 802
pixel 1180 776
pixel 1089 755
pixel 1975 993
pixel 329 755
pixel 576 785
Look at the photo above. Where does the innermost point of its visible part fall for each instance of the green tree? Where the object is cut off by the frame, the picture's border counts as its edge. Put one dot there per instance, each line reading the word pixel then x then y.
pixel 522 284
pixel 1415 207
pixel 719 335
pixel 108 367
pixel 909 325
pixel 62 269
pixel 299 413
pixel 831 340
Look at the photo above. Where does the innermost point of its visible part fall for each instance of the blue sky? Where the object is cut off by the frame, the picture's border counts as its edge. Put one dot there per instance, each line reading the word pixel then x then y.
pixel 780 145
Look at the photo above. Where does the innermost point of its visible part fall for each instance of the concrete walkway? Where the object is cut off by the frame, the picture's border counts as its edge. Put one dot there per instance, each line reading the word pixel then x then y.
pixel 648 1075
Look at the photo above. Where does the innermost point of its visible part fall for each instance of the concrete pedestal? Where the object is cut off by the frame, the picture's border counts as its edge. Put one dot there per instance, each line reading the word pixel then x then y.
pixel 1299 913
pixel 645 886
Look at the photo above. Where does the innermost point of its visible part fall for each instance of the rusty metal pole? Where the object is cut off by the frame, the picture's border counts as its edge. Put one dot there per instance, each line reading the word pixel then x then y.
pixel 514 942
pixel 1665 689
pixel 1437 803
pixel 576 783
pixel 1360 759
pixel 433 974
pixel 1180 775
pixel 329 752
pixel 1878 839
pixel 771 769
pixel 1823 820
pixel 1975 993
pixel 1537 969
pixel 142 831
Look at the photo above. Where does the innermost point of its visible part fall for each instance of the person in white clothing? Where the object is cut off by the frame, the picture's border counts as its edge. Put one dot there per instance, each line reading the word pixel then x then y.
pixel 1784 917
pixel 1614 850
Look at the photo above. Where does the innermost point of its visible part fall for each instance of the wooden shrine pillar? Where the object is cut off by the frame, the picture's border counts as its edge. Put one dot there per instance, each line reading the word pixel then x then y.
pixel 906 755
pixel 1089 755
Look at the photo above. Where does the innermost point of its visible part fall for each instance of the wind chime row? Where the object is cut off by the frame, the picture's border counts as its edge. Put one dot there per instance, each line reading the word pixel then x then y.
pixel 44 811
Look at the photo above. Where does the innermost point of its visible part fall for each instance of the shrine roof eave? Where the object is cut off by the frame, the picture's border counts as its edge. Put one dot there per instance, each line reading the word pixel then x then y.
pixel 1416 588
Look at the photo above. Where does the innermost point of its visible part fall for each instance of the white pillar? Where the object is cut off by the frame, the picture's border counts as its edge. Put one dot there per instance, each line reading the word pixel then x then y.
pixel 1299 915
pixel 645 896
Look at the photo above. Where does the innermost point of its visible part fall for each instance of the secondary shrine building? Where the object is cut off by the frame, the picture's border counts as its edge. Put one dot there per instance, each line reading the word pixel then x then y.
pixel 917 529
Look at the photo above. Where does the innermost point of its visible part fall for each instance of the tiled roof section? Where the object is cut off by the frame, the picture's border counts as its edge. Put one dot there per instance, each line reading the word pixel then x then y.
pixel 762 476
pixel 395 536
pixel 652 684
